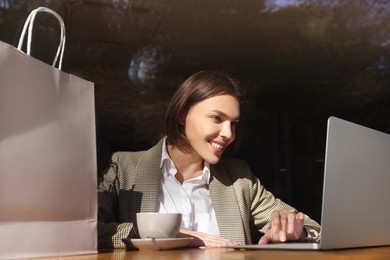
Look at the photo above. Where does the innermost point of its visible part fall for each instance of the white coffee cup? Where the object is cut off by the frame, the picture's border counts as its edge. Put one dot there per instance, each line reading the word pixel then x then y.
pixel 158 225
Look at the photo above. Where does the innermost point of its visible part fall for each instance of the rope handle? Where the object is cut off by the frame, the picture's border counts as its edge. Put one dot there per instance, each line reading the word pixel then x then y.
pixel 29 24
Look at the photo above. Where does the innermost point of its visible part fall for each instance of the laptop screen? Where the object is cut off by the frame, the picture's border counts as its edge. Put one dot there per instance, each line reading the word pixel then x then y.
pixel 355 207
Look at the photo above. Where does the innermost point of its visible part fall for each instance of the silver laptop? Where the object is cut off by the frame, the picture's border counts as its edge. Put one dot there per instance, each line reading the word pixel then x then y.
pixel 356 191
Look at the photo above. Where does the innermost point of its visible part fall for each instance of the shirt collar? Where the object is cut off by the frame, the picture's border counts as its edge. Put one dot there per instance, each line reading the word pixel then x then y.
pixel 167 162
pixel 164 153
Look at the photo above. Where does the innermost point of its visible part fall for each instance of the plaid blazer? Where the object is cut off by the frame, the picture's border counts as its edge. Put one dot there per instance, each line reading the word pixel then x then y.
pixel 132 184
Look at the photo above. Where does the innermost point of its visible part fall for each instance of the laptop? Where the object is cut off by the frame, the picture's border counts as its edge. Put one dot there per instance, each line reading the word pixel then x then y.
pixel 356 190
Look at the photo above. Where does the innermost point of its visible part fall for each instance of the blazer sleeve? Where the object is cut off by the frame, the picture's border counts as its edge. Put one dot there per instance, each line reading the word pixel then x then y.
pixel 114 194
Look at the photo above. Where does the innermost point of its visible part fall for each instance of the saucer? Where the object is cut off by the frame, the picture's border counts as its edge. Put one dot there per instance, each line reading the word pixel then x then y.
pixel 157 243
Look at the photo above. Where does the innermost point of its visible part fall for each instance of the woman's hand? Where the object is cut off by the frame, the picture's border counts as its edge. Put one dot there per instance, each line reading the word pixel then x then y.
pixel 203 239
pixel 286 226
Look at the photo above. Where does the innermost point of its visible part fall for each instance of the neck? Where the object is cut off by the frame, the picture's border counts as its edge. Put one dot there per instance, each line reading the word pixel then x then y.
pixel 188 165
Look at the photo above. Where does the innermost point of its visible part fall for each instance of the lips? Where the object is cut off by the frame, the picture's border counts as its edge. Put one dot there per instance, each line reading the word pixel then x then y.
pixel 217 146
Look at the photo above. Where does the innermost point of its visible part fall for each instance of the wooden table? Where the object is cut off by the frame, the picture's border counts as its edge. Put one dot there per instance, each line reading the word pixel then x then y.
pixel 231 254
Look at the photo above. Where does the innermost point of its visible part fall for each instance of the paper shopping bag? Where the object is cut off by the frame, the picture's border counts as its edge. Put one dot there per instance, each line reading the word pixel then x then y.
pixel 48 200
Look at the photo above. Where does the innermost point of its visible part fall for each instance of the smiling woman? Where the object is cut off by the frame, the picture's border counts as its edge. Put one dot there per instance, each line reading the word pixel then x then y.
pixel 221 201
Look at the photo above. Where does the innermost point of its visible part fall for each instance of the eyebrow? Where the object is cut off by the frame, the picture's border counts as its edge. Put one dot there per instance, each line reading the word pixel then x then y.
pixel 224 114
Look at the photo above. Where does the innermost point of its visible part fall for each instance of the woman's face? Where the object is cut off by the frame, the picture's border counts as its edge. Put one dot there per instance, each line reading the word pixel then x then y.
pixel 210 126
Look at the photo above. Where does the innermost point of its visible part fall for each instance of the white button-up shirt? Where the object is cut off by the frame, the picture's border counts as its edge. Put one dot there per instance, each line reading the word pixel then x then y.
pixel 191 198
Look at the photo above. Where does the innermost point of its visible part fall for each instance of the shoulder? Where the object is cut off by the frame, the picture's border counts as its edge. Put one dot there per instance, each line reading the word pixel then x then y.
pixel 126 157
pixel 234 164
pixel 132 158
pixel 235 168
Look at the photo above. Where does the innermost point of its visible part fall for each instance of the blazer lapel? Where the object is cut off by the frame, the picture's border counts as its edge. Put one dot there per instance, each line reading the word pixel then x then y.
pixel 225 205
pixel 148 178
pixel 148 181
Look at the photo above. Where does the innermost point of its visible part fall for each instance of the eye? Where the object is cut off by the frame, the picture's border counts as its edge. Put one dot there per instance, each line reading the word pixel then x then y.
pixel 216 118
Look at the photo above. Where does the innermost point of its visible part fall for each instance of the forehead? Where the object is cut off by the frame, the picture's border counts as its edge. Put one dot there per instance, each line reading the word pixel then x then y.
pixel 226 104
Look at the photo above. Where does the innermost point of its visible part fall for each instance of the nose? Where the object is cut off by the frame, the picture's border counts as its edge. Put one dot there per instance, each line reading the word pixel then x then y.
pixel 227 131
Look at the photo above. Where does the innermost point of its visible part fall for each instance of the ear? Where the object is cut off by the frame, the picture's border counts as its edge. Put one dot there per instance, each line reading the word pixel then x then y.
pixel 182 120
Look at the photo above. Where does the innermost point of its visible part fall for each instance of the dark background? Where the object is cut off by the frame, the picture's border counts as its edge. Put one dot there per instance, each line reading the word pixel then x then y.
pixel 301 62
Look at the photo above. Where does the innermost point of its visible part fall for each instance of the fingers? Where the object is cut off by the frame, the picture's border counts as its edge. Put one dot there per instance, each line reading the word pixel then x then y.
pixel 300 216
pixel 290 223
pixel 286 226
pixel 264 239
pixel 275 234
pixel 280 229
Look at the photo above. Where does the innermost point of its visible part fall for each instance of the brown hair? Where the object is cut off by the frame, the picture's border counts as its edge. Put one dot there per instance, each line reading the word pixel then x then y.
pixel 198 87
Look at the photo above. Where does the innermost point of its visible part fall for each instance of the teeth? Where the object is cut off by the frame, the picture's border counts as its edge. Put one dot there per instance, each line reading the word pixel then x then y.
pixel 218 146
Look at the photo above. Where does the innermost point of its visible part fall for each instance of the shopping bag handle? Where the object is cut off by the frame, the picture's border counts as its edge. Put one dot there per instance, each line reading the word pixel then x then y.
pixel 29 24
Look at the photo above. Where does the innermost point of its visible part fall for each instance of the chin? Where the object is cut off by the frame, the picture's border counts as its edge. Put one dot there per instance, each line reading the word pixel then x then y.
pixel 214 160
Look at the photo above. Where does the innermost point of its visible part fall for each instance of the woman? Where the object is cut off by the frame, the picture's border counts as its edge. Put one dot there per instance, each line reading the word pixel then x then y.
pixel 222 202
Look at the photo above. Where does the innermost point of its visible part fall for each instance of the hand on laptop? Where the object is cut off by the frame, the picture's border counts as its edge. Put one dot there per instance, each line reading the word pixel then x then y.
pixel 286 226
